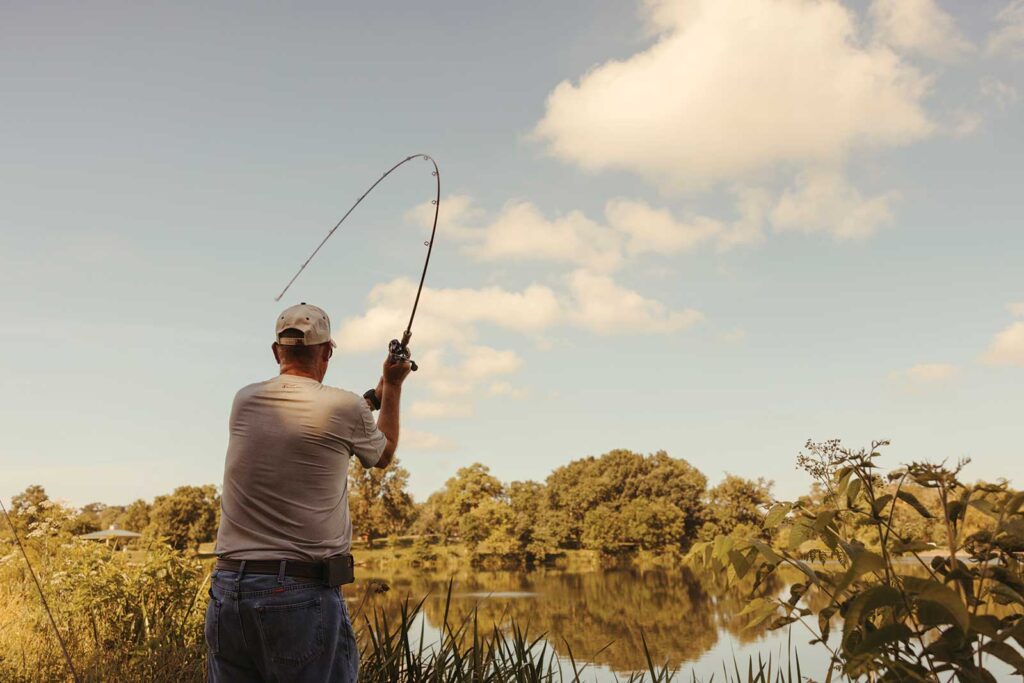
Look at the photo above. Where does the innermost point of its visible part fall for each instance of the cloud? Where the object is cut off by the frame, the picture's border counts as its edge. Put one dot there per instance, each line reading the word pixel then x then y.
pixel 823 200
pixel 1008 347
pixel 1002 94
pixel 506 389
pixel 455 370
pixel 446 316
pixel 726 89
pixel 925 376
pixel 919 26
pixel 1016 309
pixel 734 336
pixel 602 306
pixel 457 216
pixel 520 232
pixel 413 440
pixel 440 409
pixel 1008 38
pixel 655 230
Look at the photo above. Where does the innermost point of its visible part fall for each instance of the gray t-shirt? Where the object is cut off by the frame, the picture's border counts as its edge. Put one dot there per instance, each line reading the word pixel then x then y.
pixel 286 473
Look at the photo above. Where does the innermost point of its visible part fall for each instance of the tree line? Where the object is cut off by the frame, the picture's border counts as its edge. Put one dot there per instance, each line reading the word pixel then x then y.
pixel 618 502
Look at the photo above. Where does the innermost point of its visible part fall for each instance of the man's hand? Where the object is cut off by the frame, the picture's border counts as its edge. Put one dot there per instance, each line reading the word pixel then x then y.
pixel 395 372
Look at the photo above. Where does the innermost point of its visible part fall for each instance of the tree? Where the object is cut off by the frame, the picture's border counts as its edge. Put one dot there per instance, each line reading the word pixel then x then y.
pixel 736 502
pixel 93 517
pixel 615 479
pixel 488 528
pixel 467 490
pixel 378 501
pixel 187 517
pixel 530 525
pixel 135 517
pixel 28 504
pixel 33 511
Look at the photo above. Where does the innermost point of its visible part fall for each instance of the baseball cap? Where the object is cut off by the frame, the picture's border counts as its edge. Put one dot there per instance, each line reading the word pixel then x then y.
pixel 311 320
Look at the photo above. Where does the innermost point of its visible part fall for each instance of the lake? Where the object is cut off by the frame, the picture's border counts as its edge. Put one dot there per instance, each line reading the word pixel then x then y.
pixel 689 624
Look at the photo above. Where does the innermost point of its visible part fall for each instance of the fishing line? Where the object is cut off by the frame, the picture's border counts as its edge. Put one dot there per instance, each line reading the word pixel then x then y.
pixel 42 596
pixel 399 350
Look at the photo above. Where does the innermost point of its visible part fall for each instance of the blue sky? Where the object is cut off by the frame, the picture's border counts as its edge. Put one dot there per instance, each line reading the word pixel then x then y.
pixel 714 228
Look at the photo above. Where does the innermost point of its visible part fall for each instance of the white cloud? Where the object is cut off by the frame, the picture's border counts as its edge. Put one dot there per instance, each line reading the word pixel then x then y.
pixel 924 376
pixel 520 232
pixel 451 320
pixel 506 389
pixel 482 362
pixel 440 409
pixel 1008 347
pixel 752 204
pixel 734 336
pixel 446 316
pixel 655 230
pixel 918 26
pixel 1016 309
pixel 457 218
pixel 823 200
pixel 733 86
pixel 412 440
pixel 1001 93
pixel 602 306
pixel 1008 38
pixel 930 372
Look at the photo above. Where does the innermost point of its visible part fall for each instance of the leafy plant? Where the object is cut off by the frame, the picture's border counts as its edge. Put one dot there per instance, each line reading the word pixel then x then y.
pixel 908 611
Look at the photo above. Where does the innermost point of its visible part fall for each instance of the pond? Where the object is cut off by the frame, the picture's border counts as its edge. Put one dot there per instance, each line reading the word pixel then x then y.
pixel 598 616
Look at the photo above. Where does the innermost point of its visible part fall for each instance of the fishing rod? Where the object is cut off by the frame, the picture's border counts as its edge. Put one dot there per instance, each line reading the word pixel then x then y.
pixel 399 350
pixel 42 596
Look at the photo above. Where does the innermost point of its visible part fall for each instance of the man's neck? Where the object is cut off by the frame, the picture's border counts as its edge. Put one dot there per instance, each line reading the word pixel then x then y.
pixel 300 372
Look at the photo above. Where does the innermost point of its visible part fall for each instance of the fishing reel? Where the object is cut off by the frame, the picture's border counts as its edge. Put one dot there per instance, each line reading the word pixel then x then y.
pixel 399 351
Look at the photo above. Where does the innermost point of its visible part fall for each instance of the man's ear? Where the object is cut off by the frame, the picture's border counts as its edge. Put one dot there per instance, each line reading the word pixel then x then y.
pixel 277 356
pixel 329 353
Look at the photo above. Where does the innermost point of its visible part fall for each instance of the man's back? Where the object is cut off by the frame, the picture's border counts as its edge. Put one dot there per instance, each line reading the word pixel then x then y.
pixel 286 473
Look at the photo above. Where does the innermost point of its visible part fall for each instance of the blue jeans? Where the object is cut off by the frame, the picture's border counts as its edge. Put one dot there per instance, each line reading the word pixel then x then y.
pixel 261 627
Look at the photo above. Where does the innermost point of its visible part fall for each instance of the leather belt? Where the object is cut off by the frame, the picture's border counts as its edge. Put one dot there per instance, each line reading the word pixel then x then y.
pixel 292 568
pixel 333 571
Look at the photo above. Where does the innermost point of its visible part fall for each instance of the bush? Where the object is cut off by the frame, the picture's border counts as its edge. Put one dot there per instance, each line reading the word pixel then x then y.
pixel 947 619
pixel 127 616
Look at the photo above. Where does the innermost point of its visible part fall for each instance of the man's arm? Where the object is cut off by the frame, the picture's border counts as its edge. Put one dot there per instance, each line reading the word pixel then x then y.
pixel 390 392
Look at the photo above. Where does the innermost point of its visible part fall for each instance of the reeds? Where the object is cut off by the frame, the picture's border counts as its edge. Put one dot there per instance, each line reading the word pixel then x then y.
pixel 394 651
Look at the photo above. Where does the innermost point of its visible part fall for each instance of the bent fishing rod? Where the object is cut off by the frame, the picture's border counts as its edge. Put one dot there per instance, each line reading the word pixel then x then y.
pixel 398 349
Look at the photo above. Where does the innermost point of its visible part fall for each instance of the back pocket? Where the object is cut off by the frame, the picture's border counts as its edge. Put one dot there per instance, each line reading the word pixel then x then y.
pixel 292 633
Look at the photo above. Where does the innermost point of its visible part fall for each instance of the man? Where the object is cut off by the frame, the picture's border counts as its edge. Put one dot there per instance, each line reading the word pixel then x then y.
pixel 275 610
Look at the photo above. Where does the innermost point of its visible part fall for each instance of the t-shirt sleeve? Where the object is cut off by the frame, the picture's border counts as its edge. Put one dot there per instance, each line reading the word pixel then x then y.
pixel 368 442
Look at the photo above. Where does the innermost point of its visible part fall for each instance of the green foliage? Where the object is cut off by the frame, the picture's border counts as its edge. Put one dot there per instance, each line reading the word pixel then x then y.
pixel 187 517
pixel 135 517
pixel 612 482
pixel 126 616
pixel 965 606
pixel 735 502
pixel 379 502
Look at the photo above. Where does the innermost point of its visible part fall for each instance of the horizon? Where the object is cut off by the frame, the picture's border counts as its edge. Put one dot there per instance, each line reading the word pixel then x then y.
pixel 795 240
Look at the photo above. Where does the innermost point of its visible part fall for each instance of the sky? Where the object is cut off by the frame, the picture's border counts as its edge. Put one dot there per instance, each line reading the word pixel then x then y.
pixel 717 228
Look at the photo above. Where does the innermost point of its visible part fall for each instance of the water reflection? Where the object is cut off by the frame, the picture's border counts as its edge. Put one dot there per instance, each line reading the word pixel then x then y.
pixel 599 615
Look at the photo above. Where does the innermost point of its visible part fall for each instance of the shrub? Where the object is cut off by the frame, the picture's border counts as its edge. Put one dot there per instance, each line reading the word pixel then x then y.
pixel 947 618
